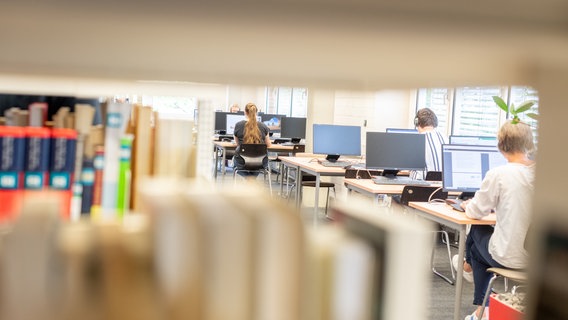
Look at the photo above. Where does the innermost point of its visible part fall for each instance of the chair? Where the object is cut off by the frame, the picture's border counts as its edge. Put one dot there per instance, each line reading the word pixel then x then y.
pixel 253 156
pixel 423 194
pixel 506 274
pixel 309 181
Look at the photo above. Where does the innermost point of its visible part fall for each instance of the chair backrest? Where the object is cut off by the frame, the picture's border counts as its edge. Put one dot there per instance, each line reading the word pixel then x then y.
pixel 253 155
pixel 433 176
pixel 421 193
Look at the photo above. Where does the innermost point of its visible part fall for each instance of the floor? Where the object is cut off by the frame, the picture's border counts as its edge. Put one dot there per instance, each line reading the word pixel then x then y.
pixel 441 304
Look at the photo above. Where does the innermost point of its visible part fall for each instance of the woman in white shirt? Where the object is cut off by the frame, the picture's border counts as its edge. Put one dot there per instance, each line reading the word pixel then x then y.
pixel 507 190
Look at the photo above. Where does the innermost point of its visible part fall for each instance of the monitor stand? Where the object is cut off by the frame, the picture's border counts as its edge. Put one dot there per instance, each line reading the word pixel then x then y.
pixel 466 195
pixel 332 157
pixel 391 174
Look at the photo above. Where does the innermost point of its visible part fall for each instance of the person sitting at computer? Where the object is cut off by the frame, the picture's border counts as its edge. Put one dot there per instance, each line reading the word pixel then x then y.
pixel 426 122
pixel 508 191
pixel 235 108
pixel 250 131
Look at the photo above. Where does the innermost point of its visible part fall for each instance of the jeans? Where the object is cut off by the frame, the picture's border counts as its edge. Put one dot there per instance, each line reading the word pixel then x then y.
pixel 477 249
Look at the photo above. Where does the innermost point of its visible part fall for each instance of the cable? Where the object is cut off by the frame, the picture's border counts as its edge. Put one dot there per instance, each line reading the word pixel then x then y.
pixel 432 194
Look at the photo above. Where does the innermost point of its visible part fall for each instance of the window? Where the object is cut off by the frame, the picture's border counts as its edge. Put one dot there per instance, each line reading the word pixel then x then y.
pixel 172 107
pixel 472 111
pixel 475 112
pixel 292 102
pixel 437 99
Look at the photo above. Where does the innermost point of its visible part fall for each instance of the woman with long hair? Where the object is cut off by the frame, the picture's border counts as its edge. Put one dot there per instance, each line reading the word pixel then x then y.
pixel 250 131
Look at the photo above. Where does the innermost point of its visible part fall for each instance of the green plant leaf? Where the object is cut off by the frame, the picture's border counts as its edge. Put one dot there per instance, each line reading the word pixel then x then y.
pixel 533 116
pixel 512 110
pixel 525 106
pixel 515 120
pixel 501 103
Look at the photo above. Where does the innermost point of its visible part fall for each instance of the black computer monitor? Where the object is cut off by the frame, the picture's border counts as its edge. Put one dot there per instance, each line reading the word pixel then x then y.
pixel 392 152
pixel 220 121
pixel 475 140
pixel 294 128
pixel 465 166
pixel 401 130
pixel 273 121
pixel 336 140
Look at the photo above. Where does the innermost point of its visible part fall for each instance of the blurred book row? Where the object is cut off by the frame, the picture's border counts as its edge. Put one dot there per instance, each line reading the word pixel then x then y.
pixel 197 252
pixel 91 169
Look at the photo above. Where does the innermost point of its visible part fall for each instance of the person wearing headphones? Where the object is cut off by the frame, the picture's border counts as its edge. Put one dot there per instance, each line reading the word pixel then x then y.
pixel 426 122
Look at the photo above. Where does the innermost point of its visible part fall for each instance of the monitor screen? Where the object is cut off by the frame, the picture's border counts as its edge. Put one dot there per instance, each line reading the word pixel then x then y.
pixel 465 166
pixel 220 120
pixel 233 118
pixel 476 140
pixel 273 121
pixel 337 140
pixel 293 128
pixel 395 151
pixel 400 130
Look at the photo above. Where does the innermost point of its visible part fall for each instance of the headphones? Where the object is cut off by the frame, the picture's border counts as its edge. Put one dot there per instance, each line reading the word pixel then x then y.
pixel 416 120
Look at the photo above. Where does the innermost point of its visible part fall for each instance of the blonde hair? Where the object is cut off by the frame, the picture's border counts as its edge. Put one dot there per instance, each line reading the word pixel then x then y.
pixel 252 132
pixel 515 138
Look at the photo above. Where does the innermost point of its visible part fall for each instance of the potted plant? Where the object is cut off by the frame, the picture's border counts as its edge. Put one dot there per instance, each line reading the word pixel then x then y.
pixel 523 107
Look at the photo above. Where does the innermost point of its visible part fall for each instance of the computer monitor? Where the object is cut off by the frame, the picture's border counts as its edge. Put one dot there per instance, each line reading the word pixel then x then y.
pixel 475 140
pixel 465 166
pixel 233 118
pixel 392 152
pixel 336 140
pixel 220 121
pixel 294 128
pixel 273 121
pixel 401 130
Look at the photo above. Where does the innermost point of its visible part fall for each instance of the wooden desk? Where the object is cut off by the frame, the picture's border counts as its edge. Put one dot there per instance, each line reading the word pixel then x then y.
pixel 310 166
pixel 444 214
pixel 225 146
pixel 368 187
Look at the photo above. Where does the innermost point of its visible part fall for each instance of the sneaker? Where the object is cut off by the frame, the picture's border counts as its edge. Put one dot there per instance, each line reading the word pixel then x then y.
pixel 473 316
pixel 468 276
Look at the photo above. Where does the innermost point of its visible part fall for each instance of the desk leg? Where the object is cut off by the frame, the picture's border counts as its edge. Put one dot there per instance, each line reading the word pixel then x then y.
pixel 316 204
pixel 216 162
pixel 224 160
pixel 459 273
pixel 298 187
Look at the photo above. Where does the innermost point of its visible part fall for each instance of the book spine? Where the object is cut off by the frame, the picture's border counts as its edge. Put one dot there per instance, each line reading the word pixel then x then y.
pixel 36 166
pixel 98 165
pixel 12 153
pixel 87 182
pixel 62 165
pixel 124 175
pixel 116 119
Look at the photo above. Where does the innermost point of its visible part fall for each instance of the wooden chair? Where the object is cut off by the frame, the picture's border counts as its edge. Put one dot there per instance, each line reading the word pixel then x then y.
pixel 519 276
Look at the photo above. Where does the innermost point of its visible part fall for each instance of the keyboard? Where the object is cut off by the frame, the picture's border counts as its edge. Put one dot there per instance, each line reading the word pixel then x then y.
pixel 455 204
pixel 400 181
pixel 336 164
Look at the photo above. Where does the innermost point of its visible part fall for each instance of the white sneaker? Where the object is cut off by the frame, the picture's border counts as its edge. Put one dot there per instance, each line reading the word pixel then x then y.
pixel 473 316
pixel 468 276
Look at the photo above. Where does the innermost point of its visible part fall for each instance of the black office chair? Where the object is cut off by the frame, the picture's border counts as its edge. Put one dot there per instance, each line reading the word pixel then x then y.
pixel 255 158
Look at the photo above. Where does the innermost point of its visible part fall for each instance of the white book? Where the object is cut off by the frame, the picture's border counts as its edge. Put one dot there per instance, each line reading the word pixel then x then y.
pixel 117 117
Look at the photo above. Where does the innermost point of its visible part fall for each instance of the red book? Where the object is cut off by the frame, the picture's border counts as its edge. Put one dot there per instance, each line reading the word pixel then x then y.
pixel 12 153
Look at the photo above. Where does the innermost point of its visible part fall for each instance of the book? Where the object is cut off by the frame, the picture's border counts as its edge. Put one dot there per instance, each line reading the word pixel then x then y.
pixel 36 164
pixel 84 114
pixel 117 116
pixel 141 150
pixel 62 165
pixel 124 176
pixel 172 157
pixel 12 155
pixel 98 166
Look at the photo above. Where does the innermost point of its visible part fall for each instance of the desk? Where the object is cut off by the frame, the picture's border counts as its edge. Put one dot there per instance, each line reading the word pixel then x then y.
pixel 368 187
pixel 225 146
pixel 457 220
pixel 310 166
